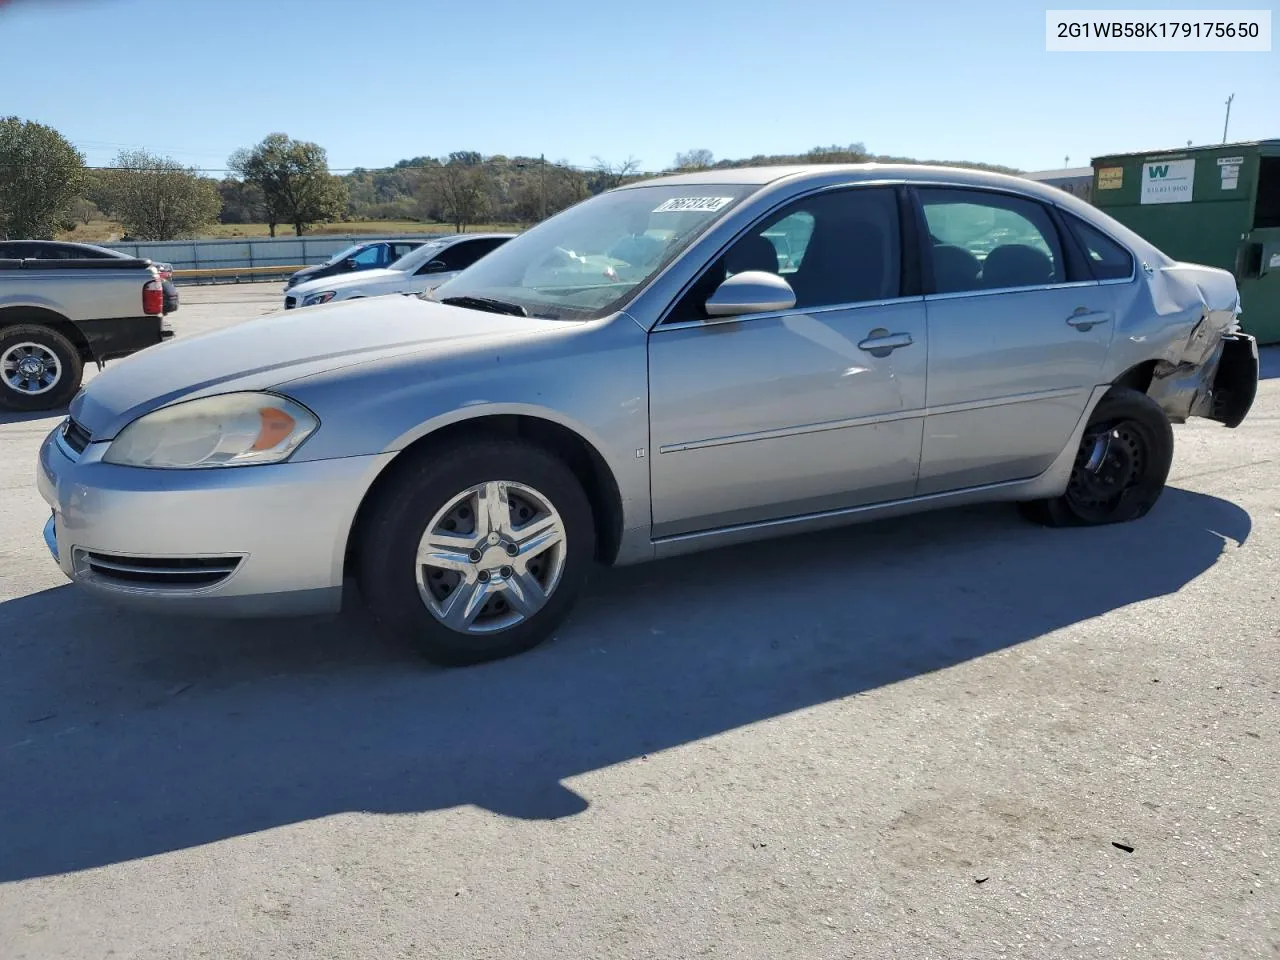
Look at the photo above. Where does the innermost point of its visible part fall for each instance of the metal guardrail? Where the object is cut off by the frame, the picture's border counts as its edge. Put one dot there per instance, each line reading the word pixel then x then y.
pixel 250 256
pixel 234 273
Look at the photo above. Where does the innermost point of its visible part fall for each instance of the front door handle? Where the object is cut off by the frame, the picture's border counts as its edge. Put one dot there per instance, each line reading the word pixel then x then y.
pixel 1084 319
pixel 881 343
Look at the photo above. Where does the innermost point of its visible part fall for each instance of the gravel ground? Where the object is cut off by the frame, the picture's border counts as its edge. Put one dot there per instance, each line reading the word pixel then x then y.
pixel 948 736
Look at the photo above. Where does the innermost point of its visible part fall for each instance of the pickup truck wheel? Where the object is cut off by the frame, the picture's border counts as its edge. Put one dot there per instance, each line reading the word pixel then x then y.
pixel 1120 468
pixel 477 552
pixel 40 369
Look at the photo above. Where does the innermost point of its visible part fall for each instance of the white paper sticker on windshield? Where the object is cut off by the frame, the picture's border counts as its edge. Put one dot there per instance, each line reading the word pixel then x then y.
pixel 692 204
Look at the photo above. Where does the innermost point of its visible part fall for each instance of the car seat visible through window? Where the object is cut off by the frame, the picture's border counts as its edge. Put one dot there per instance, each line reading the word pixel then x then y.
pixel 1016 265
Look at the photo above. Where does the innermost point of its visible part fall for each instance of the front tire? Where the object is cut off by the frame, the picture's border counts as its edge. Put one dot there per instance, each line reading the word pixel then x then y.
pixel 478 551
pixel 40 369
pixel 1120 468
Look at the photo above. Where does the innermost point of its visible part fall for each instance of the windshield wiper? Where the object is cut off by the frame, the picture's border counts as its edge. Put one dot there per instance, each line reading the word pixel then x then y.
pixel 487 303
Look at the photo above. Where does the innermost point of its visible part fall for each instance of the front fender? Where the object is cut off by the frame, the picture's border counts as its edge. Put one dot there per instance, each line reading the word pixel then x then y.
pixel 589 378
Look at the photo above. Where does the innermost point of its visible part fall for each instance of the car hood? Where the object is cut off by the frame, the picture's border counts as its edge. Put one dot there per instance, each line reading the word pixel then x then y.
pixel 353 279
pixel 264 353
pixel 306 273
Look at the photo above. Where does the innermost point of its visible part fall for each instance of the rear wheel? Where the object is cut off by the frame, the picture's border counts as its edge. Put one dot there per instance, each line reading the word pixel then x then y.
pixel 40 369
pixel 477 552
pixel 1120 467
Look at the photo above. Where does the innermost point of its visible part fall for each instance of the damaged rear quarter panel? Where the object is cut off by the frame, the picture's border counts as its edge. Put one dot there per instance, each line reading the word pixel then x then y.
pixel 1177 316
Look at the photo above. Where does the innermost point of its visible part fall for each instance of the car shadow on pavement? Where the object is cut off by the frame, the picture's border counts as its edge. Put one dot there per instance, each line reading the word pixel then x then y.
pixel 124 736
pixel 13 416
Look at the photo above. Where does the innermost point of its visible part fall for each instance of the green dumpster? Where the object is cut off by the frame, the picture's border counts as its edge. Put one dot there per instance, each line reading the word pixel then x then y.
pixel 1214 205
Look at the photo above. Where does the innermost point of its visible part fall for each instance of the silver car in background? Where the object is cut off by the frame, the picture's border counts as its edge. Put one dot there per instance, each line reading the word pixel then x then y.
pixel 646 374
pixel 425 267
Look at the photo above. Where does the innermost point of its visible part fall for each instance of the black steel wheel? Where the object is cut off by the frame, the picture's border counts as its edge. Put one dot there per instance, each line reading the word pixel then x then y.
pixel 1120 467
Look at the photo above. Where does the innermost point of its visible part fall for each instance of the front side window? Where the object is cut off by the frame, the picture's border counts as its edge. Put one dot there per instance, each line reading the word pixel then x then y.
pixel 587 261
pixel 370 256
pixel 346 254
pixel 832 248
pixel 989 241
pixel 463 254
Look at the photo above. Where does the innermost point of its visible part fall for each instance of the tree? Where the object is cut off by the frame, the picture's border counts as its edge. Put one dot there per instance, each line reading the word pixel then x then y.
pixel 463 191
pixel 295 181
pixel 86 211
pixel 40 175
pixel 241 202
pixel 699 159
pixel 157 198
pixel 606 175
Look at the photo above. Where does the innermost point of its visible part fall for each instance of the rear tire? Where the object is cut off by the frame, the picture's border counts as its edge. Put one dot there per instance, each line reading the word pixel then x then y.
pixel 460 595
pixel 27 346
pixel 1120 468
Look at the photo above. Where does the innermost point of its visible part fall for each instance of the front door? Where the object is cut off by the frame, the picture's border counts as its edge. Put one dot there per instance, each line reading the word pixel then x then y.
pixel 788 413
pixel 1016 341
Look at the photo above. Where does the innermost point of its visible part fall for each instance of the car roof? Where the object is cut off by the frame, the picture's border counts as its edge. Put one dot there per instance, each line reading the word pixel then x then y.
pixel 73 244
pixel 760 176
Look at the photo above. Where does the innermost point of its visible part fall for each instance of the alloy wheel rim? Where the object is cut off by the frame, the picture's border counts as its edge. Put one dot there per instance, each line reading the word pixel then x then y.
pixel 491 557
pixel 30 368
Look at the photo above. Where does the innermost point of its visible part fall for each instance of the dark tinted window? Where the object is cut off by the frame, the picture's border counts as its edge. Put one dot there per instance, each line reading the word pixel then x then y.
pixel 833 248
pixel 989 241
pixel 1107 259
pixel 466 252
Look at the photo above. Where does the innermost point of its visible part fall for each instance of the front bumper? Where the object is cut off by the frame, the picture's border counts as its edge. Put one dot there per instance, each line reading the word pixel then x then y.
pixel 241 541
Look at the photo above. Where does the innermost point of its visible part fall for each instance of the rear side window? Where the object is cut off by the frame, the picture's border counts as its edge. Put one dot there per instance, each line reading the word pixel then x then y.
pixel 989 241
pixel 1107 259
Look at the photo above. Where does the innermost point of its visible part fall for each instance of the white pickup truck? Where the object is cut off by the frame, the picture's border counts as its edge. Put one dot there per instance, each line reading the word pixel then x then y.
pixel 58 315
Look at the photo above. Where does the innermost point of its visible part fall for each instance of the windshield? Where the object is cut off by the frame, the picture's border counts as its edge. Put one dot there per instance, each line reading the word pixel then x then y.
pixel 343 254
pixel 584 263
pixel 412 260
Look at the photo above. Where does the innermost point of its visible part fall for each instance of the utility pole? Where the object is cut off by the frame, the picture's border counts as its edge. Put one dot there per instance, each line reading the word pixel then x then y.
pixel 1228 120
pixel 542 162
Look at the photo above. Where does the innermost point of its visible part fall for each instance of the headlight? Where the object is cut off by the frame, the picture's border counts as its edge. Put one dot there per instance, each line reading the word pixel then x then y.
pixel 231 430
pixel 311 299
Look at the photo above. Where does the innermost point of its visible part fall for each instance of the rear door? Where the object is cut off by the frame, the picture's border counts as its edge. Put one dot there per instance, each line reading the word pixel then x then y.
pixel 1017 338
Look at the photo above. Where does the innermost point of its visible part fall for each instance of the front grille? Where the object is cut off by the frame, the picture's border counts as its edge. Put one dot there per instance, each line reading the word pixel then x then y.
pixel 187 573
pixel 75 436
pixel 290 302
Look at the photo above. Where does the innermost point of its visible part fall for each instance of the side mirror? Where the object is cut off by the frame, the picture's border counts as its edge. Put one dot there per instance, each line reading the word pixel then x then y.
pixel 752 291
pixel 349 263
pixel 435 266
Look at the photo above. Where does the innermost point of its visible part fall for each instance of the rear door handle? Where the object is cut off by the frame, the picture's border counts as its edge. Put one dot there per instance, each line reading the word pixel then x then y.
pixel 881 342
pixel 1088 319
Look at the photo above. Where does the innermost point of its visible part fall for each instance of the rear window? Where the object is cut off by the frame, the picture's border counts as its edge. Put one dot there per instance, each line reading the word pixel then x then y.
pixel 1107 259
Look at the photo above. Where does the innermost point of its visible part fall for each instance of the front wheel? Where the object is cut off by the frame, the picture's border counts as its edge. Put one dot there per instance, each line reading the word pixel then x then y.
pixel 1120 467
pixel 476 552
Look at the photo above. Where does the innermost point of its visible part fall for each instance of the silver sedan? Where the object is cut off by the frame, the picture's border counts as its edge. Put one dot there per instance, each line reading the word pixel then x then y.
pixel 674 365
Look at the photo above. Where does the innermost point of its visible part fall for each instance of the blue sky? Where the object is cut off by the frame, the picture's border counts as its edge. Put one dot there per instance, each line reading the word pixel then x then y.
pixel 374 81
